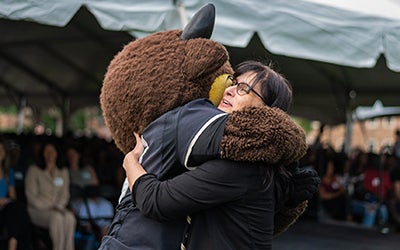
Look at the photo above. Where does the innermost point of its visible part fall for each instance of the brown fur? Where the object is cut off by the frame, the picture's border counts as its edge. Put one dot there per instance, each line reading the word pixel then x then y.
pixel 153 75
pixel 285 217
pixel 157 73
pixel 263 134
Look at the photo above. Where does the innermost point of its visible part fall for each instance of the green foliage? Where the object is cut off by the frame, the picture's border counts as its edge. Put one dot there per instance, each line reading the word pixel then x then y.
pixel 8 109
pixel 78 120
pixel 49 121
pixel 304 123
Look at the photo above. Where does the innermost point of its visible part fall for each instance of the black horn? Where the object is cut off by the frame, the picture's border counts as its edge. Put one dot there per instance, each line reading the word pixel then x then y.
pixel 201 25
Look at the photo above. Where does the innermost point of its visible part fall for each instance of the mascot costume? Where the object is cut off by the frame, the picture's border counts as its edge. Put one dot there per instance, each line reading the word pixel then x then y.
pixel 160 86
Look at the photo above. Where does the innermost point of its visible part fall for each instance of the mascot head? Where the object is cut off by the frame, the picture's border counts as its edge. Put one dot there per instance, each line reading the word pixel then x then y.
pixel 160 72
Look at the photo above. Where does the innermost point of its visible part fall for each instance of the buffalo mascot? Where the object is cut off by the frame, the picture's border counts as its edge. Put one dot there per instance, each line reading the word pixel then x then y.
pixel 164 85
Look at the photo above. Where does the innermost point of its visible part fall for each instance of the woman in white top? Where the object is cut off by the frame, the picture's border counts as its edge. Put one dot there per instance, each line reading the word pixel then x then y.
pixel 47 193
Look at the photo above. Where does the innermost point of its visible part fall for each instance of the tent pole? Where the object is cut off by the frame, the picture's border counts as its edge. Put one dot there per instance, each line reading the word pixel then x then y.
pixel 349 121
pixel 65 115
pixel 182 12
pixel 21 115
pixel 349 132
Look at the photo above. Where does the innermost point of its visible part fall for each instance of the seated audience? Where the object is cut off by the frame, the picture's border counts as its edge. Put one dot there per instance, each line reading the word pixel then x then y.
pixel 332 193
pixel 394 200
pixel 93 211
pixel 14 219
pixel 370 197
pixel 47 193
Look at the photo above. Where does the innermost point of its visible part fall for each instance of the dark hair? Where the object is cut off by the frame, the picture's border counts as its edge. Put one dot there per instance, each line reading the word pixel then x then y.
pixel 373 160
pixel 41 161
pixel 5 165
pixel 276 92
pixel 83 161
pixel 275 88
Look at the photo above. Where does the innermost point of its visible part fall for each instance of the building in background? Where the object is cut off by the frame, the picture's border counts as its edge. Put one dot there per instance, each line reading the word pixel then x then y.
pixel 369 135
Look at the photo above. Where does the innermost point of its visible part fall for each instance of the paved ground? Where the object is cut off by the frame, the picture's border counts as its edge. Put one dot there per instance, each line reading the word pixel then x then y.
pixel 312 235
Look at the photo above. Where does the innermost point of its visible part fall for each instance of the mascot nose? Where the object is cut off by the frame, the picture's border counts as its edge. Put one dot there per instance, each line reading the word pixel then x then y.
pixel 201 25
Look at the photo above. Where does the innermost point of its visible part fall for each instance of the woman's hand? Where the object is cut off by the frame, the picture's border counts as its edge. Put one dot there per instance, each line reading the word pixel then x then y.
pixel 4 201
pixel 131 163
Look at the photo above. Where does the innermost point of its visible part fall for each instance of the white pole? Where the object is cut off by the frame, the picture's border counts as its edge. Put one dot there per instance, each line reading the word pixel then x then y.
pixel 182 13
pixel 349 132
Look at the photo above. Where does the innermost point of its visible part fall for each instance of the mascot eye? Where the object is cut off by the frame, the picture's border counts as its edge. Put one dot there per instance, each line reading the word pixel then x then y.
pixel 230 81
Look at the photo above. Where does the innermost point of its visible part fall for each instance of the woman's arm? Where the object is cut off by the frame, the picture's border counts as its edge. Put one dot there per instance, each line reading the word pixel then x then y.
pixel 12 193
pixel 64 195
pixel 209 185
pixel 93 174
pixel 32 180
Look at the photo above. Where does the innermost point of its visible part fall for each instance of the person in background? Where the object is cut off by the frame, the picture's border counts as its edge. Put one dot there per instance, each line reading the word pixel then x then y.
pixel 89 206
pixel 19 168
pixel 396 147
pixel 394 198
pixel 13 215
pixel 333 193
pixel 47 193
pixel 371 197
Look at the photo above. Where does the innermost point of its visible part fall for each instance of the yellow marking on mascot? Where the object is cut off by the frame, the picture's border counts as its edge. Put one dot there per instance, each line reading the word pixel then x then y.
pixel 218 88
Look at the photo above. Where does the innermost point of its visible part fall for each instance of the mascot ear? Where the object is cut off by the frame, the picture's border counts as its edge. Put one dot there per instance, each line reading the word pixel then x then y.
pixel 201 25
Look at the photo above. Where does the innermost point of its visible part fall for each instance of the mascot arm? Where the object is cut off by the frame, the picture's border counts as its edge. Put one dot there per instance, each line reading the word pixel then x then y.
pixel 263 134
pixel 253 134
pixel 269 135
pixel 206 146
pixel 200 127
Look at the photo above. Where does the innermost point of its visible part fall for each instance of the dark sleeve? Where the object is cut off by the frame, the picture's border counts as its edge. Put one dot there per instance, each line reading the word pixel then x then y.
pixel 209 185
pixel 208 145
pixel 192 131
pixel 200 128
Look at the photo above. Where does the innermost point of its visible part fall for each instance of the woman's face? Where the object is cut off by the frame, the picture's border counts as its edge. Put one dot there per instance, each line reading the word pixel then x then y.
pixel 231 101
pixel 50 153
pixel 72 155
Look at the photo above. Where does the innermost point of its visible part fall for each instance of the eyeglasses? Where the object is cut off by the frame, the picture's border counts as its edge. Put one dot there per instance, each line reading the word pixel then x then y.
pixel 243 88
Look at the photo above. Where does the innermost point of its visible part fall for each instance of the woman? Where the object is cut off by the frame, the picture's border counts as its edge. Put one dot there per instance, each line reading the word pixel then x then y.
pixel 47 193
pixel 333 193
pixel 93 210
pixel 371 197
pixel 231 198
pixel 13 215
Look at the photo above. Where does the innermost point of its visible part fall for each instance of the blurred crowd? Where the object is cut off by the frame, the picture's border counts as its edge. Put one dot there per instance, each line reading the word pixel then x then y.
pixel 57 192
pixel 360 187
pixel 60 192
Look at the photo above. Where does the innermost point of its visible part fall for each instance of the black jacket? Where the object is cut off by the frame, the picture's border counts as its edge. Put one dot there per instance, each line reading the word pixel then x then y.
pixel 177 141
pixel 232 203
pixel 192 135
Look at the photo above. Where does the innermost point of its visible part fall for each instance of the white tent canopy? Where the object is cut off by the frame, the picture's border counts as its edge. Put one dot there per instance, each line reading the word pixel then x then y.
pixel 351 33
pixel 337 54
pixel 377 110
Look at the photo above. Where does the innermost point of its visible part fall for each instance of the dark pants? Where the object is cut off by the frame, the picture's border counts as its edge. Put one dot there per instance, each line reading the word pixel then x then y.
pixel 336 207
pixel 15 219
